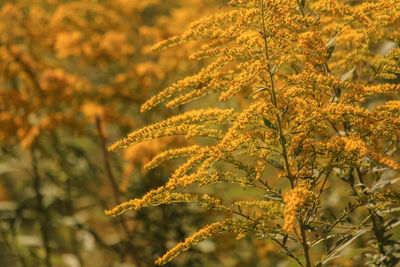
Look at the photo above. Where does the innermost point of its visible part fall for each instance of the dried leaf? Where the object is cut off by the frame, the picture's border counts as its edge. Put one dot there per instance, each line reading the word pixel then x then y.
pixel 347 74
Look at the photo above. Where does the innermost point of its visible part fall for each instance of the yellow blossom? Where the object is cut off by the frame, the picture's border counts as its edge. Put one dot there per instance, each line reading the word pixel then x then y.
pixel 295 200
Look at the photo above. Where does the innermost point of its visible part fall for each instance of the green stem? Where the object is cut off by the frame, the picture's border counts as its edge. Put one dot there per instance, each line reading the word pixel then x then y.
pixel 282 138
pixel 300 8
pixel 376 227
pixel 107 165
pixel 274 102
pixel 304 242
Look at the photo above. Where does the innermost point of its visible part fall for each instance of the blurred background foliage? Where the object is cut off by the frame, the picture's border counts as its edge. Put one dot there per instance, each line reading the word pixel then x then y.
pixel 72 77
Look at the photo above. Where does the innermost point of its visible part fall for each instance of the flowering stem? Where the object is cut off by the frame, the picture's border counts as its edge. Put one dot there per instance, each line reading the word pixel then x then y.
pixel 273 97
pixel 281 135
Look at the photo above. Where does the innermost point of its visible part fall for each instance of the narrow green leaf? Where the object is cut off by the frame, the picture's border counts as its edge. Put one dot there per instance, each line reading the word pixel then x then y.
pixel 296 132
pixel 277 164
pixel 285 109
pixel 351 178
pixel 273 70
pixel 324 239
pixel 274 196
pixel 269 124
pixel 297 151
pixel 347 74
pixel 341 244
pixel 329 51
pixel 259 90
pixel 338 92
pixel 332 41
pixel 394 222
pixel 285 239
pixel 330 45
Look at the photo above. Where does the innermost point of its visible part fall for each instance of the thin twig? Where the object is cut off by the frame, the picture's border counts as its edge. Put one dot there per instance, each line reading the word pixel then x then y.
pixel 289 253
pixel 117 197
pixel 42 213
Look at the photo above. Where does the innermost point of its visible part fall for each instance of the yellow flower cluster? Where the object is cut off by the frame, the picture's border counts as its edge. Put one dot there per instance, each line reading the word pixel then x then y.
pixel 171 154
pixel 206 156
pixel 382 89
pixel 294 200
pixel 139 155
pixel 203 27
pixel 239 226
pixel 313 47
pixel 93 45
pixel 136 203
pixel 340 9
pixel 197 82
pixel 202 234
pixel 167 197
pixel 242 33
pixel 271 206
pixel 320 79
pixel 356 146
pixel 179 125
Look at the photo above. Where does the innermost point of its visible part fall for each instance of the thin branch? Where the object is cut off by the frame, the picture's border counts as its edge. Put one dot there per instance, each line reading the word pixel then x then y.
pixel 117 198
pixel 289 253
pixel 42 213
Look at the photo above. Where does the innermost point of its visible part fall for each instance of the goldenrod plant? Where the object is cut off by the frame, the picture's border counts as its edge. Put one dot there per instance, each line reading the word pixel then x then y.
pixel 312 139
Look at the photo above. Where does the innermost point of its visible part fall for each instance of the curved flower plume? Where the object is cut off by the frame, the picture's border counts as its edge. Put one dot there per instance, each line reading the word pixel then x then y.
pixel 185 124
